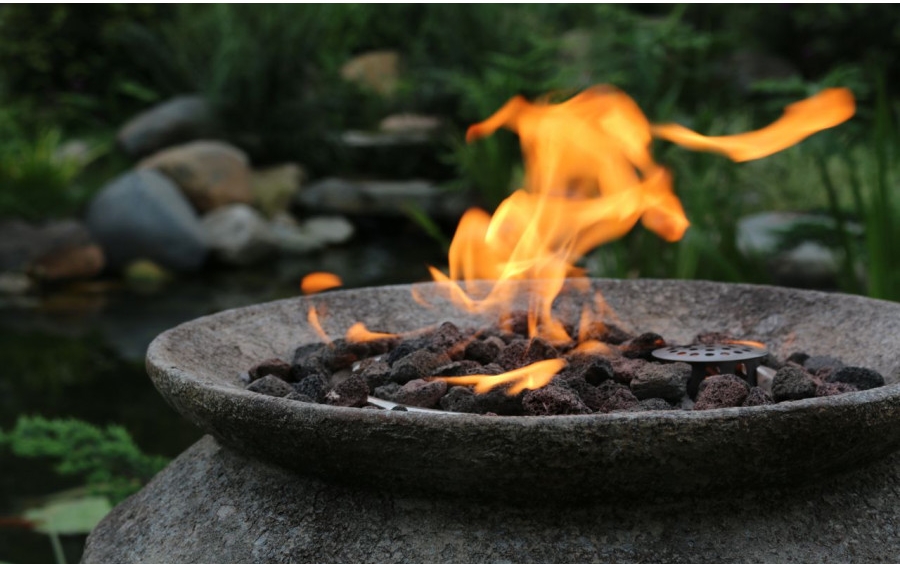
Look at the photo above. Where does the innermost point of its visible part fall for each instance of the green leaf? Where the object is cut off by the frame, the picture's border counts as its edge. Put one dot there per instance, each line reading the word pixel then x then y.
pixel 69 517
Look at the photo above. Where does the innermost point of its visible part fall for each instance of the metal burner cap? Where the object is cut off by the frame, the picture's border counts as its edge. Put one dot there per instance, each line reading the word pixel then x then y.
pixel 726 352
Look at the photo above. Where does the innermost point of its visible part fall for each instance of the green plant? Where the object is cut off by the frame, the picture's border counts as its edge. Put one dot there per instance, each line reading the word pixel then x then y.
pixel 107 459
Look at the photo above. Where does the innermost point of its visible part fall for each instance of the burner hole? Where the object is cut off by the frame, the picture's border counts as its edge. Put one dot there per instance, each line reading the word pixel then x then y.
pixel 709 354
pixel 682 353
pixel 694 354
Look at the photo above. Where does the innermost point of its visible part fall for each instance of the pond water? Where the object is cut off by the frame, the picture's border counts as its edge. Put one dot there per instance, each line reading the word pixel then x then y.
pixel 78 353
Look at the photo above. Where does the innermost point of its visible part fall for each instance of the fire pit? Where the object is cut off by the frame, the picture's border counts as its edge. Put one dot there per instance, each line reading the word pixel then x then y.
pixel 560 459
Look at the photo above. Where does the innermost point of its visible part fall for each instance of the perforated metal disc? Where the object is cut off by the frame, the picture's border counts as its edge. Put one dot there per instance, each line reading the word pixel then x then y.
pixel 711 353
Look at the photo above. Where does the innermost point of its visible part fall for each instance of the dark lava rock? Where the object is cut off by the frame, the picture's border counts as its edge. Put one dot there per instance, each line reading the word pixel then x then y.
pixel 448 339
pixel 273 366
pixel 271 386
pixel 724 390
pixel 553 400
pixel 792 383
pixel 666 381
pixel 798 358
pixel 815 364
pixel 484 351
pixel 376 374
pixel 499 402
pixel 421 393
pixel 588 393
pixel 615 397
pixel 416 365
pixel 387 391
pixel 308 360
pixel 513 356
pixel 625 369
pixel 756 397
pixel 606 332
pixel 459 399
pixel 590 368
pixel 314 386
pixel 515 322
pixel 642 346
pixel 341 354
pixel 299 397
pixel 539 349
pixel 834 389
pixel 405 348
pixel 858 377
pixel 352 392
pixel 459 368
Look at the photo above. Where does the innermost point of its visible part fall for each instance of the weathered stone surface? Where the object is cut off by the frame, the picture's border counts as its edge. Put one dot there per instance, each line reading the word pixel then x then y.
pixel 211 174
pixel 666 381
pixel 178 120
pixel 141 214
pixel 237 234
pixel 616 456
pixel 792 383
pixel 271 386
pixel 212 506
pixel 273 188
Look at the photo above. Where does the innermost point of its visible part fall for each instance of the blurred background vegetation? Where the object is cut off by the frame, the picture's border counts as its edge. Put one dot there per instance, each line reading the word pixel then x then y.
pixel 273 77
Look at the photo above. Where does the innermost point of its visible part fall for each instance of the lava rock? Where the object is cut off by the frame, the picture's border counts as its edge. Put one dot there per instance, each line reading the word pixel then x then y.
pixel 274 366
pixel 448 339
pixel 271 386
pixel 352 392
pixel 515 322
pixel 724 390
pixel 387 391
pixel 590 368
pixel 606 332
pixel 309 360
pixel 539 349
pixel 419 364
pixel 405 348
pixel 421 393
pixel 798 358
pixel 553 400
pixel 513 356
pixel 459 368
pixel 833 389
pixel 625 369
pixel 615 397
pixel 459 399
pixel 642 346
pixel 376 374
pixel 142 214
pixel 484 351
pixel 756 397
pixel 340 355
pixel 666 381
pixel 499 402
pixel 314 386
pixel 792 383
pixel 858 377
pixel 816 364
pixel 588 393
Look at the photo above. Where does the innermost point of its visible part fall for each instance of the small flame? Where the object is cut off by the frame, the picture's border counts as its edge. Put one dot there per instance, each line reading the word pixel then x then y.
pixel 313 318
pixel 320 281
pixel 530 377
pixel 358 333
pixel 754 344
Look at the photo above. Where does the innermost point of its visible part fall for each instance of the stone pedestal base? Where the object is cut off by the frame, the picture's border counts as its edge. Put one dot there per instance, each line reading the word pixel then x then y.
pixel 212 505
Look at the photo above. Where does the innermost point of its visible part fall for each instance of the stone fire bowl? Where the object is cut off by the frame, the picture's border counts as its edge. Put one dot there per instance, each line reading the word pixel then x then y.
pixel 548 459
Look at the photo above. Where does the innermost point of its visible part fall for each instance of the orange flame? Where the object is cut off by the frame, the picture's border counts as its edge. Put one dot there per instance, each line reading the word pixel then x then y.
pixel 358 333
pixel 320 281
pixel 530 377
pixel 313 318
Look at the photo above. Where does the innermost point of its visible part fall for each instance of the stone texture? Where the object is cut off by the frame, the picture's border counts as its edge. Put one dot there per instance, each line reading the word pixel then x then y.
pixel 379 197
pixel 141 214
pixel 212 505
pixel 375 70
pixel 792 383
pixel 616 456
pixel 237 234
pixel 56 250
pixel 211 174
pixel 178 120
pixel 666 381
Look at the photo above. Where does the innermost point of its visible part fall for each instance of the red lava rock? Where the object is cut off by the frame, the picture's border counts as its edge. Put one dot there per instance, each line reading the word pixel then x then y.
pixel 792 383
pixel 513 356
pixel 588 393
pixel 274 366
pixel 271 386
pixel 724 390
pixel 833 389
pixel 624 369
pixel 758 396
pixel 352 392
pixel 448 339
pixel 515 322
pixel 484 351
pixel 420 393
pixel 419 364
pixel 553 400
pixel 539 349
pixel 667 381
pixel 615 397
pixel 858 377
pixel 460 399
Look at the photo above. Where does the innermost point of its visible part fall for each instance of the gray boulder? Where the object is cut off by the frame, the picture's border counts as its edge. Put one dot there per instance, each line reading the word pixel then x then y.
pixel 180 119
pixel 381 198
pixel 142 214
pixel 237 234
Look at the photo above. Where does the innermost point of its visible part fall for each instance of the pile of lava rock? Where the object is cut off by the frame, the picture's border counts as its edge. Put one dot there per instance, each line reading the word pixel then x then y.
pixel 626 378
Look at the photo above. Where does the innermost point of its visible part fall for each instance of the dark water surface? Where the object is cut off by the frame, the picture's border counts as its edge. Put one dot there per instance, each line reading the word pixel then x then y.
pixel 78 353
